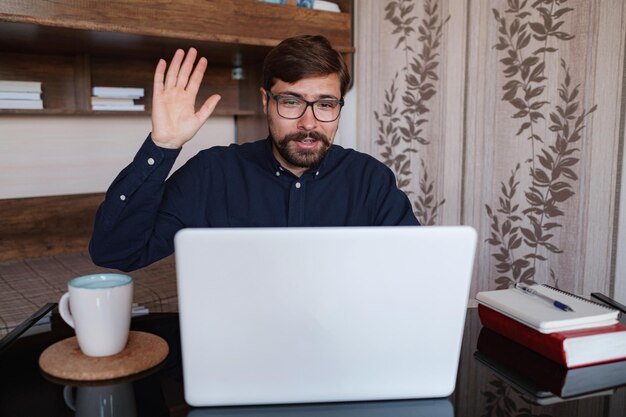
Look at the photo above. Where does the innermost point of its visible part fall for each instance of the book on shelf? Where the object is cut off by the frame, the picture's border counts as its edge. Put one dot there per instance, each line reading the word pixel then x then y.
pixel 328 6
pixel 21 86
pixel 118 92
pixel 541 380
pixel 118 107
pixel 19 95
pixel 107 101
pixel 21 104
pixel 544 317
pixel 571 348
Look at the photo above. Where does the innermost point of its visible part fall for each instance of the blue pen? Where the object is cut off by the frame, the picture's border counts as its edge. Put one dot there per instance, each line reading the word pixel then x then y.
pixel 529 290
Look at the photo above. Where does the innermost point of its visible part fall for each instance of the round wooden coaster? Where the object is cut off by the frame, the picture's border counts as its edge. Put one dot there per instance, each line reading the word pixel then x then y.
pixel 65 360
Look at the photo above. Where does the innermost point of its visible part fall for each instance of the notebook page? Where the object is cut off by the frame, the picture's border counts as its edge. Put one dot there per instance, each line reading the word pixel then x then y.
pixel 543 316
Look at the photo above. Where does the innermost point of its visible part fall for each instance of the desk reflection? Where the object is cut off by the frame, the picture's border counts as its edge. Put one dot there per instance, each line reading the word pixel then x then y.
pixel 484 388
pixel 101 400
pixel 400 408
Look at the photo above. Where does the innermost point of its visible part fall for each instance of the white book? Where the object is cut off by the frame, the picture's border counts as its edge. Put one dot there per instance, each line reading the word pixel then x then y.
pixel 24 86
pixel 21 104
pixel 328 6
pixel 19 95
pixel 544 317
pixel 118 92
pixel 107 101
pixel 118 107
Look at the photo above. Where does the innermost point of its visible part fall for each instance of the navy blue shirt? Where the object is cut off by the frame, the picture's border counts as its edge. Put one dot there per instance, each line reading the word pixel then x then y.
pixel 237 186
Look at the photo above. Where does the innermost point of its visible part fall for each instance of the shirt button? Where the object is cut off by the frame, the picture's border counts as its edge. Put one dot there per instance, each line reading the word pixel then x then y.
pixel 150 161
pixel 298 185
pixel 277 174
pixel 122 197
pixel 317 173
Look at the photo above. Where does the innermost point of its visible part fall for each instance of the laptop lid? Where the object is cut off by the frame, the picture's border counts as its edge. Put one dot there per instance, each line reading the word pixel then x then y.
pixel 293 315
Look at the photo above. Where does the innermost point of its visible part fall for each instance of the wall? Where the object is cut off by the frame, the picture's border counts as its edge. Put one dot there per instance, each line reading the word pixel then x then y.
pixel 58 155
pixel 504 115
pixel 346 133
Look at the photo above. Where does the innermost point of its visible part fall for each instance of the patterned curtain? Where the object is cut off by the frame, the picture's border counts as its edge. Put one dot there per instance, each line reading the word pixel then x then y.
pixel 504 115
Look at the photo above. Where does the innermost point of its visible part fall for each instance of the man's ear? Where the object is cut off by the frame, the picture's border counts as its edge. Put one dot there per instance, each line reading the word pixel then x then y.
pixel 264 99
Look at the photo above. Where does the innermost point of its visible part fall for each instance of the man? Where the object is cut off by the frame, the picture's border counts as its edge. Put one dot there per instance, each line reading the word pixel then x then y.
pixel 295 177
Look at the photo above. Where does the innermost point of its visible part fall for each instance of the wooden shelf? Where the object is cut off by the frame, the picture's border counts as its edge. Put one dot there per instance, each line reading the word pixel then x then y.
pixel 71 46
pixel 57 112
pixel 229 31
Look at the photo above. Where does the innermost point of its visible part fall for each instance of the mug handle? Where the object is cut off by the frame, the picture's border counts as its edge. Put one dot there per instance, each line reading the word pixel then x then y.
pixel 68 397
pixel 64 309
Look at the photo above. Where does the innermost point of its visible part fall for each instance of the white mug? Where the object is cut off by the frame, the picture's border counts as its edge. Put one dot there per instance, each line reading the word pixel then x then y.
pixel 98 307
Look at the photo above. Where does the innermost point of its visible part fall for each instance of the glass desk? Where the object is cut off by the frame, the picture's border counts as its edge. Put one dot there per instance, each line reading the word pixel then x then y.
pixel 485 387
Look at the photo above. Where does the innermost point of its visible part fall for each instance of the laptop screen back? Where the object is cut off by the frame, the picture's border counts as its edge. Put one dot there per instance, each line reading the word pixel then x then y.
pixel 321 314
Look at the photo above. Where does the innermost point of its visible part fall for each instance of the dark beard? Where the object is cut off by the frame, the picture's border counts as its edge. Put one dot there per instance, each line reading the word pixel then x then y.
pixel 302 158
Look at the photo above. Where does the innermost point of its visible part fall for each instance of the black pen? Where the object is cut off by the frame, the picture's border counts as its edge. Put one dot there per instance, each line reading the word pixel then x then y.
pixel 609 301
pixel 530 290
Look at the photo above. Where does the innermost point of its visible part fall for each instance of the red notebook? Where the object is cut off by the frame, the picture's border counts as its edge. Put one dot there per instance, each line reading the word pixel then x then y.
pixel 572 348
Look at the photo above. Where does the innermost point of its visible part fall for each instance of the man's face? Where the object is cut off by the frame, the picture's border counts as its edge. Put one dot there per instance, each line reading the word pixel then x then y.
pixel 299 144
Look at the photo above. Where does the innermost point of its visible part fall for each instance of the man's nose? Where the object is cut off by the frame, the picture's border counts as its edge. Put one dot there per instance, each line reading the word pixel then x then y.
pixel 307 121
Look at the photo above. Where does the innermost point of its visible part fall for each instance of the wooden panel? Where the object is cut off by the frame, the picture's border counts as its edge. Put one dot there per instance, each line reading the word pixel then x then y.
pixel 59 72
pixel 45 226
pixel 82 82
pixel 110 72
pixel 34 38
pixel 107 71
pixel 230 21
pixel 251 128
pixel 118 44
pixel 250 89
pixel 67 81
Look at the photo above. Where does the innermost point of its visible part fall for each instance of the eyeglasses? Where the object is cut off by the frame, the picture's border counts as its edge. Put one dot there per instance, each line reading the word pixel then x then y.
pixel 291 107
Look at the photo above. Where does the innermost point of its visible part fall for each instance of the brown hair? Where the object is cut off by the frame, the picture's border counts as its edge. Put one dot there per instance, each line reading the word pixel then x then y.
pixel 301 57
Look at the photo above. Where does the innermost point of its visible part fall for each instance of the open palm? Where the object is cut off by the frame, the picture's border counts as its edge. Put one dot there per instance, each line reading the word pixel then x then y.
pixel 174 118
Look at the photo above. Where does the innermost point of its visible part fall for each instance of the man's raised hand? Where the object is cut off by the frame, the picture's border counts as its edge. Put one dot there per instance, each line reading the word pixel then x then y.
pixel 174 118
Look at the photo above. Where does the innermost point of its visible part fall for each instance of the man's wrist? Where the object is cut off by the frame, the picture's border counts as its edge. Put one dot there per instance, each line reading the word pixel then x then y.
pixel 164 150
pixel 165 145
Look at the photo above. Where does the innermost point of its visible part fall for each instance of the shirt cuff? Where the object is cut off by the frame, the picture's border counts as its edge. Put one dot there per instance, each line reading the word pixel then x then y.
pixel 152 155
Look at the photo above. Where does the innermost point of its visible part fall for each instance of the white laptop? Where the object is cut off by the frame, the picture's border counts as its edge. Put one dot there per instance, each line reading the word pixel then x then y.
pixel 305 315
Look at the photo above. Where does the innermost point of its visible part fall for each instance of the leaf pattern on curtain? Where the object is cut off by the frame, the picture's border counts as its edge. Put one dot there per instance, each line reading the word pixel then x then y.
pixel 401 121
pixel 524 223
